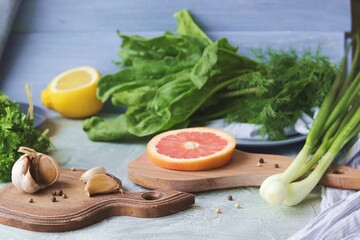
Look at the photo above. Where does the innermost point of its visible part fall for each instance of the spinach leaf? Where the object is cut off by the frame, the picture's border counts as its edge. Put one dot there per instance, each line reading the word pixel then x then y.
pixel 173 98
pixel 186 25
pixel 150 60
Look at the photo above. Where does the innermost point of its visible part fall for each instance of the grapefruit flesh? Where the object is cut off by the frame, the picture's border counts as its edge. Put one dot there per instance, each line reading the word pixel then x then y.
pixel 191 149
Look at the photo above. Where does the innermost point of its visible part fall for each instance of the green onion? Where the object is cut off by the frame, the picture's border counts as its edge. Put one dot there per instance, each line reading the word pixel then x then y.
pixel 337 122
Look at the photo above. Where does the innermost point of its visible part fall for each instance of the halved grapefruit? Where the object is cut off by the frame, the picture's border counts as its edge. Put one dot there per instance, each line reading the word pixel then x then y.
pixel 191 149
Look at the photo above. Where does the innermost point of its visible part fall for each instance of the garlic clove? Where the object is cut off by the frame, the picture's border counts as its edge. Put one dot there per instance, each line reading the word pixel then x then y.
pixel 91 172
pixel 46 170
pixel 34 171
pixel 102 183
pixel 21 176
pixel 28 151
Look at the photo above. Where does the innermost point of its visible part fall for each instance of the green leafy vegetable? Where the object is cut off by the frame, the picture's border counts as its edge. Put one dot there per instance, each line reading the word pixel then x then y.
pixel 149 61
pixel 274 96
pixel 167 79
pixel 16 130
pixel 179 79
pixel 187 27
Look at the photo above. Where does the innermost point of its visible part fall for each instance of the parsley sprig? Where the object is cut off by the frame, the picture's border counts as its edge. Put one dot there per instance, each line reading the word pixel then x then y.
pixel 16 130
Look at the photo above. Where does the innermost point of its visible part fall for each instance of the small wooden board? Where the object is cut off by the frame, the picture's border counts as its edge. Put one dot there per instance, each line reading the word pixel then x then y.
pixel 79 210
pixel 241 171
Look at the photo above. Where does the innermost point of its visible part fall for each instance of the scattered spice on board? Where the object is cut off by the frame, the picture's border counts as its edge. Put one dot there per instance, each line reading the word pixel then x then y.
pixel 59 192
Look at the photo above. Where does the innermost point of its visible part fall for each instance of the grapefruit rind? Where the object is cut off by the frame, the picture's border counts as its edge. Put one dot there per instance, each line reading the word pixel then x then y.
pixel 216 160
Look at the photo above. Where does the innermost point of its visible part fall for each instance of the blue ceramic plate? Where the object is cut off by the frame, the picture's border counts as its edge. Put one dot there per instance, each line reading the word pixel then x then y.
pixel 267 143
pixel 40 115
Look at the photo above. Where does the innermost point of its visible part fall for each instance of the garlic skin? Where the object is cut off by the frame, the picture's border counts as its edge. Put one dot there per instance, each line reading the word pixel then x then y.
pixel 102 183
pixel 34 171
pixel 91 172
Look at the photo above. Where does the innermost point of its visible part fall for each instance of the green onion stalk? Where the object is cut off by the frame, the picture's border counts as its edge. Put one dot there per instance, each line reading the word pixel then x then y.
pixel 337 122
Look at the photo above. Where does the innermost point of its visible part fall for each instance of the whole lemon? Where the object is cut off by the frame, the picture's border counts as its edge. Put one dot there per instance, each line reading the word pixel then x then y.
pixel 73 93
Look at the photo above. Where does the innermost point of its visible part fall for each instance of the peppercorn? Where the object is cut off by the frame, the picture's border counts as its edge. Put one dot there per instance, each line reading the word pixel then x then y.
pixel 261 160
pixel 53 193
pixel 276 165
pixel 59 192
pixel 53 199
pixel 64 196
pixel 31 200
pixel 230 198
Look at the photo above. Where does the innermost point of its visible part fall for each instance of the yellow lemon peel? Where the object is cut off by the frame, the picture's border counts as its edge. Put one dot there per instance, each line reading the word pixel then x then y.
pixel 72 93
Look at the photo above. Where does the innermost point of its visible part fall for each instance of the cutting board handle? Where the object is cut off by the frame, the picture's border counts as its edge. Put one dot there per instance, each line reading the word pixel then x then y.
pixel 341 176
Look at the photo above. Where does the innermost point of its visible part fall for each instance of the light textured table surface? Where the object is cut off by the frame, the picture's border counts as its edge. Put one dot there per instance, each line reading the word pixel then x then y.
pixel 51 36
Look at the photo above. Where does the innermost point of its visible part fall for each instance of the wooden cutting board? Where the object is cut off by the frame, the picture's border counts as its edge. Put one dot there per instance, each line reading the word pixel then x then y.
pixel 241 171
pixel 79 210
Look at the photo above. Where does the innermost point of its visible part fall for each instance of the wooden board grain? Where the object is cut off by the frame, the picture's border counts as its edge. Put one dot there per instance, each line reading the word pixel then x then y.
pixel 79 210
pixel 241 171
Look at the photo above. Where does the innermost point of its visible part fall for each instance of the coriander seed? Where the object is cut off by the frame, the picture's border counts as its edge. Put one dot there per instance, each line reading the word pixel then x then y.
pixel 230 198
pixel 237 205
pixel 261 160
pixel 258 164
pixel 64 196
pixel 217 210
pixel 73 169
pixel 31 200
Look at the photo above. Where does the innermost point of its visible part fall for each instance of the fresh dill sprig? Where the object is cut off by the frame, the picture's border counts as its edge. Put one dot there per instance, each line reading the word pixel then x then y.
pixel 284 85
pixel 290 84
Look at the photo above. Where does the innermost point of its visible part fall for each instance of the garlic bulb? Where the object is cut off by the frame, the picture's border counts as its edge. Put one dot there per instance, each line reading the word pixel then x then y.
pixel 34 171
